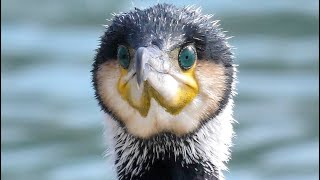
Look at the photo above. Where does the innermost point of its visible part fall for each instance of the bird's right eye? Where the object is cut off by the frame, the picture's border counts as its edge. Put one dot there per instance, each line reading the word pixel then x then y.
pixel 123 56
pixel 187 57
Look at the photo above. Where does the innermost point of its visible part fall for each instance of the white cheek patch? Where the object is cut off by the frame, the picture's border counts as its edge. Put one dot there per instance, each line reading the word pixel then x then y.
pixel 211 81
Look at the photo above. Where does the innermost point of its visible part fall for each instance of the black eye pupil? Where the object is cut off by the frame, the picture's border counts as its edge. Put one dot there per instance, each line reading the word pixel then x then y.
pixel 187 57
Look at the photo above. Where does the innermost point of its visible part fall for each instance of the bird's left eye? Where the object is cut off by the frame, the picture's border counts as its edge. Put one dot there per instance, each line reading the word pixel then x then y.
pixel 123 56
pixel 187 57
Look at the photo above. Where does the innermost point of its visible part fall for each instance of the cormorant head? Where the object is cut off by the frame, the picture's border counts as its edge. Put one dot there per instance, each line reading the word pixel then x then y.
pixel 163 70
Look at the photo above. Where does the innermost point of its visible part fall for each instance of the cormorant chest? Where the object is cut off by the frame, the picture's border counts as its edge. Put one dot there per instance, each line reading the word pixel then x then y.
pixel 173 169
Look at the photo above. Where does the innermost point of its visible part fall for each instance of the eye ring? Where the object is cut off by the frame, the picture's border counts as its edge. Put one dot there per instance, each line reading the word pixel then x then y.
pixel 123 56
pixel 187 57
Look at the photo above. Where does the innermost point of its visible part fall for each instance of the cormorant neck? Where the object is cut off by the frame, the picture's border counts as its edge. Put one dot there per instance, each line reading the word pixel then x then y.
pixel 199 155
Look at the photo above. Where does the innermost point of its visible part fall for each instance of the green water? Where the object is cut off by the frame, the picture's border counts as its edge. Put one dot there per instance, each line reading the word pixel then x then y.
pixel 51 126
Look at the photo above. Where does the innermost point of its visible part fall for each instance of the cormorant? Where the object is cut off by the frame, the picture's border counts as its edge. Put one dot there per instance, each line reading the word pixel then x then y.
pixel 165 78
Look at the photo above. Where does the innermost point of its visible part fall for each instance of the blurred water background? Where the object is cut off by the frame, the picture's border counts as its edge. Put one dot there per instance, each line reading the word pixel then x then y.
pixel 51 126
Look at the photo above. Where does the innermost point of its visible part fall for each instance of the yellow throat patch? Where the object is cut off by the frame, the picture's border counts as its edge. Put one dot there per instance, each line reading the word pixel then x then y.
pixel 185 94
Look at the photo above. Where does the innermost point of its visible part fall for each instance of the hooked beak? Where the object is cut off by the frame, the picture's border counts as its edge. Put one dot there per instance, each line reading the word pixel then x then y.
pixel 142 58
pixel 144 61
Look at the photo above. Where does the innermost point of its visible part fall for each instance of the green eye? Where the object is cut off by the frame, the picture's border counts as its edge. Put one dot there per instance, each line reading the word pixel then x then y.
pixel 187 57
pixel 123 56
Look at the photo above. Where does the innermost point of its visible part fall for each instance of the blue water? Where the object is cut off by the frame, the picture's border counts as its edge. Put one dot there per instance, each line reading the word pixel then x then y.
pixel 51 126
